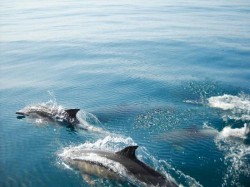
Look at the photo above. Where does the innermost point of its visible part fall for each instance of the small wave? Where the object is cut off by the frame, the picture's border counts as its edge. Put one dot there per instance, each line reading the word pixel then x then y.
pixel 238 106
pixel 186 180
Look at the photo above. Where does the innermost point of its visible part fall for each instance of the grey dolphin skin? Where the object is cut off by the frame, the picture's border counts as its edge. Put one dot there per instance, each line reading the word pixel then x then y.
pixel 125 157
pixel 66 116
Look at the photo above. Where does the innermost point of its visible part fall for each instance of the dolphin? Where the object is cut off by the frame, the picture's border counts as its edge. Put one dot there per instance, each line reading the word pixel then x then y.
pixel 47 113
pixel 125 157
pixel 50 114
pixel 191 134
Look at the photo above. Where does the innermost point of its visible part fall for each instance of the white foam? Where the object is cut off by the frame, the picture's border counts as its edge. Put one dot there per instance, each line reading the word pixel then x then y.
pixel 236 132
pixel 238 106
pixel 110 143
pixel 228 102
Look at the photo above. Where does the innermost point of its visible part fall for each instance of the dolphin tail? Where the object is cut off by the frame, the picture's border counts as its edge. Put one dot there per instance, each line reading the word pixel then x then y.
pixel 72 112
pixel 128 152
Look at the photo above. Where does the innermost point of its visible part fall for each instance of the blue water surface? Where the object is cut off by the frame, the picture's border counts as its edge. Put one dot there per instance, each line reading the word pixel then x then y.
pixel 145 69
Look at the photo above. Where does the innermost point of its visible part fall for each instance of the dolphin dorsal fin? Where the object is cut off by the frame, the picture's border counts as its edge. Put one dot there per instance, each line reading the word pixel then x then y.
pixel 72 112
pixel 128 152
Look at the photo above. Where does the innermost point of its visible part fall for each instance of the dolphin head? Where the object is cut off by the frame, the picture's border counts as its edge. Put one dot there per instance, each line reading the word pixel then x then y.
pixel 21 114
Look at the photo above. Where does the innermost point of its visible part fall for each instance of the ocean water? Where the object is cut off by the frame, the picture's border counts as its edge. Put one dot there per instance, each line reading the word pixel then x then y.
pixel 172 77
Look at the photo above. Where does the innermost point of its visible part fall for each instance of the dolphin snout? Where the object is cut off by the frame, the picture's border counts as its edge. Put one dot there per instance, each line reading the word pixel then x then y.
pixel 20 113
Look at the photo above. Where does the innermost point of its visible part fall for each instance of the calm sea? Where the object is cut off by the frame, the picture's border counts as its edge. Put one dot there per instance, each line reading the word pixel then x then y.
pixel 172 77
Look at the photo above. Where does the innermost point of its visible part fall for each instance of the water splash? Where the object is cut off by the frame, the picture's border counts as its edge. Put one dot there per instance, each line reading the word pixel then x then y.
pixel 230 141
pixel 90 122
pixel 237 132
pixel 237 106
